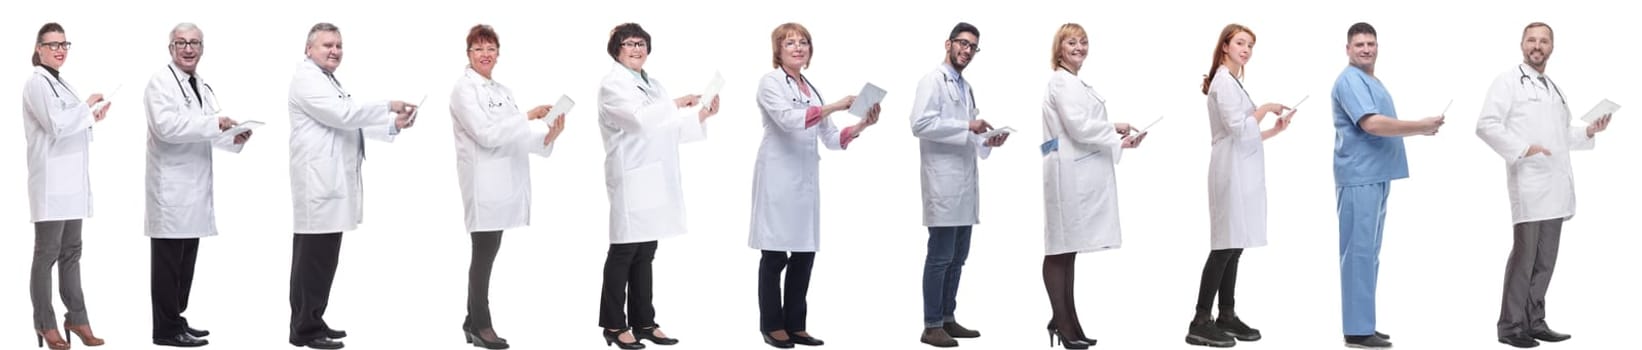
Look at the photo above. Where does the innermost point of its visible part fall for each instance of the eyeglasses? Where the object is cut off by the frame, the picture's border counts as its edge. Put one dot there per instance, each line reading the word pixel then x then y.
pixel 965 44
pixel 487 49
pixel 637 44
pixel 182 44
pixel 56 45
pixel 796 44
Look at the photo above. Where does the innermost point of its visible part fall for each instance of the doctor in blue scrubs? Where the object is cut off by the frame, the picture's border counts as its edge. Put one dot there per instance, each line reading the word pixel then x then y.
pixel 1368 154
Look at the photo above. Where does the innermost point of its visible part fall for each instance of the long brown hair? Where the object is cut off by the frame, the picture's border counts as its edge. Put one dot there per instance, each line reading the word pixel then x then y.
pixel 1220 50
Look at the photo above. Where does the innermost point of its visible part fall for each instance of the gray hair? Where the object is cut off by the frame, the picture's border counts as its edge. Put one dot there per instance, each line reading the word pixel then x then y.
pixel 321 27
pixel 184 27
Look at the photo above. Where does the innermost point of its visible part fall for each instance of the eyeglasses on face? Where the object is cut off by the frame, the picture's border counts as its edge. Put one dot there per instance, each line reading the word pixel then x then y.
pixel 183 44
pixel 56 45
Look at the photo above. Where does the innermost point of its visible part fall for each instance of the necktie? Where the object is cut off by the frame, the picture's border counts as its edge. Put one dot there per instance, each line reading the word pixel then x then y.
pixel 195 84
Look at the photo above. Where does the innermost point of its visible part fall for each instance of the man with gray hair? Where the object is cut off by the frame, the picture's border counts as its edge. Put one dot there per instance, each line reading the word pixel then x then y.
pixel 328 130
pixel 183 126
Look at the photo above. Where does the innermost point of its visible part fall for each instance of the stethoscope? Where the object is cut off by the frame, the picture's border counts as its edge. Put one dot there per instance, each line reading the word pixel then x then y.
pixel 798 96
pixel 971 90
pixel 1524 79
pixel 54 87
pixel 185 97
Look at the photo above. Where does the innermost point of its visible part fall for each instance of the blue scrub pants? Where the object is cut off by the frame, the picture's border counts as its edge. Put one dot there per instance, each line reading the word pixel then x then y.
pixel 1362 228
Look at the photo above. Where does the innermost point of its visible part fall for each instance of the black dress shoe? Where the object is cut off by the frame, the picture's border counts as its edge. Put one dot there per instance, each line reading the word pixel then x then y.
pixel 1367 342
pixel 335 333
pixel 320 343
pixel 196 332
pixel 183 340
pixel 1518 340
pixel 958 331
pixel 1550 336
pixel 479 339
pixel 650 334
pixel 806 341
pixel 778 343
pixel 1382 335
pixel 614 337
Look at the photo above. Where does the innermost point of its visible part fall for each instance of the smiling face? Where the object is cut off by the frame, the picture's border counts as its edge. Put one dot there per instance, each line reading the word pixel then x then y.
pixel 53 50
pixel 795 52
pixel 186 48
pixel 1537 46
pixel 961 49
pixel 1364 49
pixel 634 52
pixel 1073 50
pixel 482 56
pixel 325 49
pixel 1239 49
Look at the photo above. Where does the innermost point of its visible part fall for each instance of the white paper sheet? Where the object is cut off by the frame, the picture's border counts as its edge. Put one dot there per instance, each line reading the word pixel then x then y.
pixel 559 109
pixel 1605 107
pixel 870 95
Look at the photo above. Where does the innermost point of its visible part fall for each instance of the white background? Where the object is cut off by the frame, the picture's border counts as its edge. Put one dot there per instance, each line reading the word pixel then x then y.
pixel 403 273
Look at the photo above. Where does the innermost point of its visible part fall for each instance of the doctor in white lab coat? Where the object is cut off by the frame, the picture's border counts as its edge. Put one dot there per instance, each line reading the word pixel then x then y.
pixel 944 121
pixel 327 148
pixel 786 219
pixel 494 141
pixel 1237 187
pixel 183 127
pixel 642 129
pixel 1525 119
pixel 57 124
pixel 1079 182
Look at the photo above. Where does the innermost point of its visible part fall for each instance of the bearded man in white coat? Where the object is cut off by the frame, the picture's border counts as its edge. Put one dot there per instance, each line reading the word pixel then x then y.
pixel 1525 119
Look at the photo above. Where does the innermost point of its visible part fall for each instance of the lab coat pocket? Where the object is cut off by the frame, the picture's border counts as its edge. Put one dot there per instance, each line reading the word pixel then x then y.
pixel 324 178
pixel 495 178
pixel 645 188
pixel 66 174
pixel 174 187
pixel 1533 180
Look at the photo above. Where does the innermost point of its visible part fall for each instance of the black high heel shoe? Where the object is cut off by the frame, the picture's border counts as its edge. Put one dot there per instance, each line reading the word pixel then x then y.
pixel 478 340
pixel 613 337
pixel 1055 336
pixel 650 334
pixel 1085 339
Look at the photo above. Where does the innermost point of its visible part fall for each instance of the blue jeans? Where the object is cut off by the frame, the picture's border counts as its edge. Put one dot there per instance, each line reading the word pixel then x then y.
pixel 1362 228
pixel 948 249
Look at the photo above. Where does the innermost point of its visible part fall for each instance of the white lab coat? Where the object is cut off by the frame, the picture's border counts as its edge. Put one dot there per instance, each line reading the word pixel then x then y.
pixel 57 123
pixel 493 143
pixel 947 150
pixel 182 130
pixel 327 148
pixel 1519 112
pixel 1237 167
pixel 1079 181
pixel 786 178
pixel 642 130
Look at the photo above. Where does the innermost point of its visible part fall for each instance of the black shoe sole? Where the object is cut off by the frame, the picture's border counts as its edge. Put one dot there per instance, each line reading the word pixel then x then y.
pixel 1204 341
pixel 1244 337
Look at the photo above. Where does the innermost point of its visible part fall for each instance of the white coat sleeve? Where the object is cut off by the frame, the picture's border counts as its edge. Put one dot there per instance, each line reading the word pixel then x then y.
pixel 1084 118
pixel 831 136
pixel 316 97
pixel 536 139
pixel 468 105
pixel 171 122
pixel 774 101
pixel 1228 105
pixel 1577 139
pixel 227 144
pixel 927 122
pixel 58 117
pixel 624 106
pixel 1491 124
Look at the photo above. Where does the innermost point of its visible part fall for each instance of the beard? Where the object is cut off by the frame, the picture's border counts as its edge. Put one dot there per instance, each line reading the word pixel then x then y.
pixel 952 56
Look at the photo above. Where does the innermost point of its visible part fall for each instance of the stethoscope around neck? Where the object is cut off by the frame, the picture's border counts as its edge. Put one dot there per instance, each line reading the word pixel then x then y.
pixel 187 100
pixel 798 96
pixel 1524 79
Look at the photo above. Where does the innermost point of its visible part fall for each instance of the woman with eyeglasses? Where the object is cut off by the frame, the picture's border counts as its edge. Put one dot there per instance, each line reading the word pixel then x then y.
pixel 58 124
pixel 1079 179
pixel 494 141
pixel 642 130
pixel 786 225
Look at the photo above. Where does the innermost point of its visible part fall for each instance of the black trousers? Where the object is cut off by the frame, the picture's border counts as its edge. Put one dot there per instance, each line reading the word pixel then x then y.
pixel 313 268
pixel 485 246
pixel 628 278
pixel 170 277
pixel 778 310
pixel 1219 277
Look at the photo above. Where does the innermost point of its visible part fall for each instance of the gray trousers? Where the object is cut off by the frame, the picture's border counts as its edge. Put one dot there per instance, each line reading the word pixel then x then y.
pixel 57 242
pixel 1528 277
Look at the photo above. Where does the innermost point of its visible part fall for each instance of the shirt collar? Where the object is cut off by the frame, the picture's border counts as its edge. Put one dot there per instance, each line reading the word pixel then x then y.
pixel 50 70
pixel 952 72
pixel 641 76
pixel 180 73
pixel 1530 71
pixel 474 74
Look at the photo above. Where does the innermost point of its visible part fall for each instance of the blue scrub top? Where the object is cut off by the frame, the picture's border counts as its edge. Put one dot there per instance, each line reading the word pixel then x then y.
pixel 1360 157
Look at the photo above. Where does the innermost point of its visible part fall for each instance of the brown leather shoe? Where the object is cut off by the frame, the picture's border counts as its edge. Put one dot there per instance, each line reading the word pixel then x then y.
pixel 84 331
pixel 937 337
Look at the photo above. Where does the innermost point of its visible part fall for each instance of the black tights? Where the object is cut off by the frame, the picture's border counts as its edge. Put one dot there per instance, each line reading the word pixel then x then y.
pixel 1219 275
pixel 1057 280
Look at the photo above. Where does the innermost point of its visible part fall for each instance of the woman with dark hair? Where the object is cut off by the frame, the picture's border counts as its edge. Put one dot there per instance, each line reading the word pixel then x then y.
pixel 494 141
pixel 58 125
pixel 642 129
